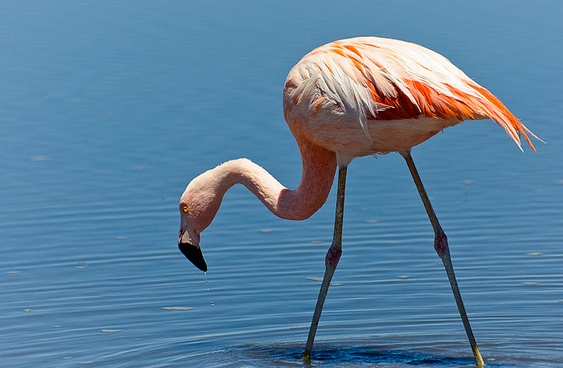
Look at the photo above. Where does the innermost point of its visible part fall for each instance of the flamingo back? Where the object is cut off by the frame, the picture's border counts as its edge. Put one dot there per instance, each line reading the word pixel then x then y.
pixel 371 79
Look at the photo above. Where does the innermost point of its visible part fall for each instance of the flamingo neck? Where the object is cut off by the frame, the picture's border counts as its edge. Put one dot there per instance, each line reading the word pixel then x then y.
pixel 318 169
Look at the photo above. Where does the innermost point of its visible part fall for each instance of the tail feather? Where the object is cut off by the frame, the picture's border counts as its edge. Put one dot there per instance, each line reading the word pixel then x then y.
pixel 466 101
pixel 496 111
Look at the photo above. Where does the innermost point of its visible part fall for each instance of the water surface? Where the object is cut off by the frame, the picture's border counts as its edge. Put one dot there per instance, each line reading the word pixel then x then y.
pixel 108 110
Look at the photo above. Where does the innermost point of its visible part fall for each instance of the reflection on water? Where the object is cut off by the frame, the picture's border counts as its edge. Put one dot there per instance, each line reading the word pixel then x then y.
pixel 344 356
pixel 109 109
pixel 335 355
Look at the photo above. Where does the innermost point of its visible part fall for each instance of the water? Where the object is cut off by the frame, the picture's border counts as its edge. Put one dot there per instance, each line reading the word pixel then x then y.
pixel 108 110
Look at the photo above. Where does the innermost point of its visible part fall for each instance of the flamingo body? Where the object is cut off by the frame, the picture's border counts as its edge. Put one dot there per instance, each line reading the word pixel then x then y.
pixel 346 99
pixel 370 95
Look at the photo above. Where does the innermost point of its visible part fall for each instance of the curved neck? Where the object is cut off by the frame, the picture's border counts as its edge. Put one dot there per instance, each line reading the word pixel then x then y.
pixel 318 169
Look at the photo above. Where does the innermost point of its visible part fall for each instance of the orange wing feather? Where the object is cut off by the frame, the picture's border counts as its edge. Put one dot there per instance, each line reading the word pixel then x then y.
pixel 407 81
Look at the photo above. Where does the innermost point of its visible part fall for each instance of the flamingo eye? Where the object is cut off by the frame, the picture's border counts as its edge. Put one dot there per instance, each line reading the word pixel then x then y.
pixel 185 208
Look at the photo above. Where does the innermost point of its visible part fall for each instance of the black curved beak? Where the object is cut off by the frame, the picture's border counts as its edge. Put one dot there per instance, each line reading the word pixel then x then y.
pixel 194 255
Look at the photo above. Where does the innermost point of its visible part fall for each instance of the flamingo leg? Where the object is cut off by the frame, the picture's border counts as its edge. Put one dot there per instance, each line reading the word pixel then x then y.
pixel 442 248
pixel 331 261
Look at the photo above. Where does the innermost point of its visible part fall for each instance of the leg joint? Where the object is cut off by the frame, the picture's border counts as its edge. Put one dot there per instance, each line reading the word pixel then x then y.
pixel 441 244
pixel 333 256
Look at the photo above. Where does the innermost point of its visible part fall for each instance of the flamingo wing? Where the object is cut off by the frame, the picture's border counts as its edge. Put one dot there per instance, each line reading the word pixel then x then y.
pixel 386 79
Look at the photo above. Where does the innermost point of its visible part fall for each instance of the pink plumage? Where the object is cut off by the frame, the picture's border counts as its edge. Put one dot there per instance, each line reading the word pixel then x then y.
pixel 378 85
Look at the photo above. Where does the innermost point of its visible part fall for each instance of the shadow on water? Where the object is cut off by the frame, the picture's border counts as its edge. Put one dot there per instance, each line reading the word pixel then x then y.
pixel 343 356
pixel 348 356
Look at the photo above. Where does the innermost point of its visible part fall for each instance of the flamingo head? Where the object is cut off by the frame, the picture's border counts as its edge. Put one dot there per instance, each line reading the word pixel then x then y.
pixel 188 242
pixel 196 214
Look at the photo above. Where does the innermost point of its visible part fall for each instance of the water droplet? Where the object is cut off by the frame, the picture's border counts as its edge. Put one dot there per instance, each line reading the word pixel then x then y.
pixel 208 289
pixel 206 280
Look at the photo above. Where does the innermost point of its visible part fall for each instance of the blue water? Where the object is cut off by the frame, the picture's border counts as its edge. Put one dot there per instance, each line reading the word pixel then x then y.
pixel 108 109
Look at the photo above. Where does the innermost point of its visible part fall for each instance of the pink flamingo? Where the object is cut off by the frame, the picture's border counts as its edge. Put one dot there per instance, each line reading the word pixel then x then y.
pixel 346 99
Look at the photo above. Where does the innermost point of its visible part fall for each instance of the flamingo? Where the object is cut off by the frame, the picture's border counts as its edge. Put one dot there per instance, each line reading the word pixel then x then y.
pixel 346 99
